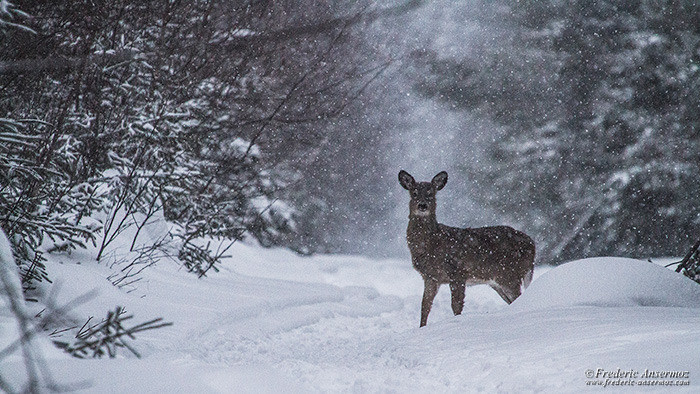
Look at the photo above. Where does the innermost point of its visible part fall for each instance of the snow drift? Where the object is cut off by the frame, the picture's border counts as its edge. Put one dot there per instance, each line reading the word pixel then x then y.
pixel 609 282
pixel 273 321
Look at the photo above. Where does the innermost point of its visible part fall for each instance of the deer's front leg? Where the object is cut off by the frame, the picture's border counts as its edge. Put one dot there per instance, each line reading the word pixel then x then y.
pixel 457 289
pixel 429 292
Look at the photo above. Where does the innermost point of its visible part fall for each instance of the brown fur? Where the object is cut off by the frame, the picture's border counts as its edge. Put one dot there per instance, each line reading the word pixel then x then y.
pixel 499 256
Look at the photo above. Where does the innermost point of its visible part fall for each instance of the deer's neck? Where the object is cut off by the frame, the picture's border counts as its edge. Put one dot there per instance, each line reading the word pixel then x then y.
pixel 422 221
pixel 420 230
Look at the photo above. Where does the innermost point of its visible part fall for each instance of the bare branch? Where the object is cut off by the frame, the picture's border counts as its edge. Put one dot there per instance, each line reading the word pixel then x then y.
pixel 242 42
pixel 64 64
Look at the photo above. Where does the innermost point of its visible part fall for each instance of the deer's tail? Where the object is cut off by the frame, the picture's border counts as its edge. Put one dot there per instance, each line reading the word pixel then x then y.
pixel 527 279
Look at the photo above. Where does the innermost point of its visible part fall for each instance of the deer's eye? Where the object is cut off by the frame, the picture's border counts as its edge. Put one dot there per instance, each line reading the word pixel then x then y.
pixel 414 193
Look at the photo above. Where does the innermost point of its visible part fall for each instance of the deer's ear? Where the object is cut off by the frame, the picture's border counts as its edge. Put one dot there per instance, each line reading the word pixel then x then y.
pixel 439 180
pixel 406 180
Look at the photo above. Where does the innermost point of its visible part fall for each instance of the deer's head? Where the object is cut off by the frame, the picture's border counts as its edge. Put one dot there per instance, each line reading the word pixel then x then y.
pixel 422 193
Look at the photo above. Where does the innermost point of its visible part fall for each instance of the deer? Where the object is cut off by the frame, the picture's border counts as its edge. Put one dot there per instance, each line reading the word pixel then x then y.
pixel 499 256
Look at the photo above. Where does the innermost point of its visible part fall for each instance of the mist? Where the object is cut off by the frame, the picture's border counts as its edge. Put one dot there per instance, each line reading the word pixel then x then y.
pixel 431 136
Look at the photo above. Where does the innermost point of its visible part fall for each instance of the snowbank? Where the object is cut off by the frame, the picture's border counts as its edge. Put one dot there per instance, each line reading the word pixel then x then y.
pixel 273 321
pixel 609 282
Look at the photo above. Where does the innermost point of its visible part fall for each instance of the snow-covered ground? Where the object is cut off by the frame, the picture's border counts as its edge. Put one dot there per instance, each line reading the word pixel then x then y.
pixel 272 321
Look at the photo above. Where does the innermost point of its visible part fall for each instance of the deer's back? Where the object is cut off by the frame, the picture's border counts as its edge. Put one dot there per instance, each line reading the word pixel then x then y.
pixel 478 253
